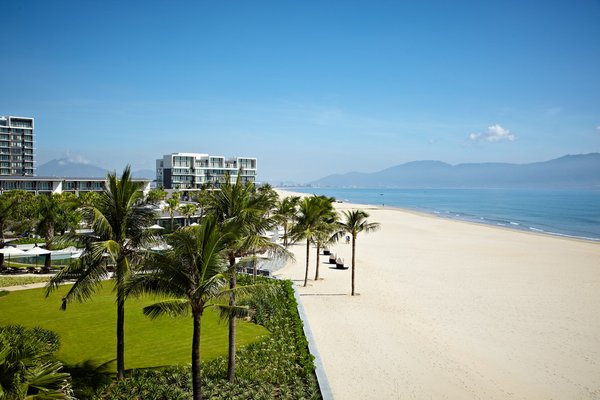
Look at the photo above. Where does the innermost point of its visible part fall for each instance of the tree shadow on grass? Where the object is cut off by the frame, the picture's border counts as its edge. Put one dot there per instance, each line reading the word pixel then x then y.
pixel 89 376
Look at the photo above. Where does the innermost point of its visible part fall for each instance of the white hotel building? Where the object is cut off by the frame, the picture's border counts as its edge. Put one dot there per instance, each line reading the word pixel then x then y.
pixel 17 163
pixel 189 171
pixel 16 146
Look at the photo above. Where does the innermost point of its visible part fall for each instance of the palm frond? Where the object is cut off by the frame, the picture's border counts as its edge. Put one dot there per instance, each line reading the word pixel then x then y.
pixel 226 311
pixel 174 308
pixel 88 275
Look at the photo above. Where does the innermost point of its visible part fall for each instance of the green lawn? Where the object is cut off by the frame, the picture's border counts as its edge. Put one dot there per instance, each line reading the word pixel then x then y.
pixel 87 330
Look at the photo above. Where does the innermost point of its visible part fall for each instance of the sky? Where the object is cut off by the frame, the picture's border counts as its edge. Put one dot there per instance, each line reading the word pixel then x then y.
pixel 310 88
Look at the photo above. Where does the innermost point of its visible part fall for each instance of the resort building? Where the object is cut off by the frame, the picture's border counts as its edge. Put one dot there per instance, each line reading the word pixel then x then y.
pixel 39 184
pixel 192 171
pixel 17 163
pixel 16 146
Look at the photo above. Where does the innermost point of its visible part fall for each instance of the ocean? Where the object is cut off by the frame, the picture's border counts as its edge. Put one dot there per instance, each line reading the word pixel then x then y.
pixel 563 212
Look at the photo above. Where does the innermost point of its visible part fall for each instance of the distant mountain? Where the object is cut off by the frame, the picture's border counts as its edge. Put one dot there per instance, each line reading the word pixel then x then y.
pixel 581 170
pixel 73 169
pixel 70 169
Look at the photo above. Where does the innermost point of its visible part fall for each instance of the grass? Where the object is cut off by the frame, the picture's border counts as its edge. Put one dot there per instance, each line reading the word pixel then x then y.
pixel 6 281
pixel 87 330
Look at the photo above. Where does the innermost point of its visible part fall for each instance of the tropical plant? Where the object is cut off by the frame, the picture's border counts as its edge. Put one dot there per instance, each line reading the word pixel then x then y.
pixel 156 195
pixel 16 211
pixel 27 368
pixel 55 212
pixel 188 210
pixel 193 273
pixel 16 214
pixel 171 207
pixel 285 213
pixel 6 207
pixel 268 194
pixel 119 221
pixel 88 198
pixel 202 197
pixel 312 220
pixel 279 366
pixel 244 216
pixel 355 222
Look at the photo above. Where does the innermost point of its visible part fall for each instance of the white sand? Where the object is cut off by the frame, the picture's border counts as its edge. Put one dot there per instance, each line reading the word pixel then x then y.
pixel 454 310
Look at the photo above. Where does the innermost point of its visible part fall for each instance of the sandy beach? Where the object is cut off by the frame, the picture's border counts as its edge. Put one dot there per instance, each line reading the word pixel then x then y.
pixel 455 310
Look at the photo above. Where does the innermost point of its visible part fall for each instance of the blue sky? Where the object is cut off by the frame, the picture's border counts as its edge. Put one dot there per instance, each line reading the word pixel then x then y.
pixel 309 87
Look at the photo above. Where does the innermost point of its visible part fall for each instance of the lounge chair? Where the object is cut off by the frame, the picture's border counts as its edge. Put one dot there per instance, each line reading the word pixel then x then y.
pixel 339 263
pixel 331 258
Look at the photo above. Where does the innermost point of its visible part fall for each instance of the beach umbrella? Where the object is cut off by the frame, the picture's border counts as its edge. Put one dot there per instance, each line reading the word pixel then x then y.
pixel 37 251
pixel 155 227
pixel 161 247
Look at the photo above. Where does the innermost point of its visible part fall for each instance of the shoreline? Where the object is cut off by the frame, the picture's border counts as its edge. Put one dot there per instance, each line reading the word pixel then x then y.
pixel 454 309
pixel 433 214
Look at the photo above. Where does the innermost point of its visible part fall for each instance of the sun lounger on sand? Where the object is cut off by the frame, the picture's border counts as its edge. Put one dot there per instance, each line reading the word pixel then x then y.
pixel 339 263
pixel 331 258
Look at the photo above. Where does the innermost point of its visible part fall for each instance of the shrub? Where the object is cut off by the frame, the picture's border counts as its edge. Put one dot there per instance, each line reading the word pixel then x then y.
pixel 27 367
pixel 279 366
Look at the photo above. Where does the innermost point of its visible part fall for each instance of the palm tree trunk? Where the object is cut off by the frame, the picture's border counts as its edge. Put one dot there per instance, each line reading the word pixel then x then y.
pixel 49 238
pixel 232 324
pixel 196 384
pixel 353 260
pixel 318 256
pixel 120 334
pixel 307 259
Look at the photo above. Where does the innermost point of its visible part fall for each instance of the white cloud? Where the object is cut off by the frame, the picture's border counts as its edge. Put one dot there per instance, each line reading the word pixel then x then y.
pixel 76 158
pixel 494 133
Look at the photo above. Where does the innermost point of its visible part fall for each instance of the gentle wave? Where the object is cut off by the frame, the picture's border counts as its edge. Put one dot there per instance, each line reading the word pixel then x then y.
pixel 565 213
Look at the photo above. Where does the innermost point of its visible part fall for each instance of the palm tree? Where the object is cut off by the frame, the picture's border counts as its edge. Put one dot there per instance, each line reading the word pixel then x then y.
pixel 16 214
pixel 119 221
pixel 313 211
pixel 284 214
pixel 171 207
pixel 156 195
pixel 243 215
pixel 15 209
pixel 188 210
pixel 324 233
pixel 355 221
pixel 6 208
pixel 193 272
pixel 54 211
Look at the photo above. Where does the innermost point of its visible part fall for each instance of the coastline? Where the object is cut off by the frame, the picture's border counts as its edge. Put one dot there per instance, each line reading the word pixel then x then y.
pixel 285 192
pixel 455 309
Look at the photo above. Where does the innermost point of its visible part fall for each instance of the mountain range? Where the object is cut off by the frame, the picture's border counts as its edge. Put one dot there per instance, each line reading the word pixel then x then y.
pixel 73 169
pixel 582 170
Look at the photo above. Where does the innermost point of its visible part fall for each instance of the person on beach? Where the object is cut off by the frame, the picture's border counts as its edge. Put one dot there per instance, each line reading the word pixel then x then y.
pixel 347 239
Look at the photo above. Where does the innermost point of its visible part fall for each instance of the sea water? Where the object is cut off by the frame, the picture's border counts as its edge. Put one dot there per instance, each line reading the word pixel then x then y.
pixel 563 212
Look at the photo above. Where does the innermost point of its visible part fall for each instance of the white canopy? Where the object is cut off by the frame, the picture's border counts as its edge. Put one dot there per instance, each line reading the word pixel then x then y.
pixel 37 251
pixel 13 252
pixel 155 226
pixel 161 247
